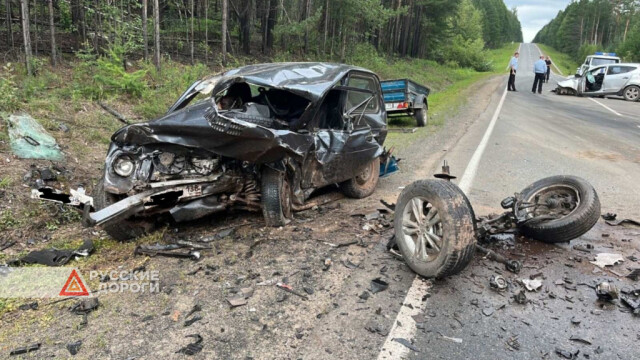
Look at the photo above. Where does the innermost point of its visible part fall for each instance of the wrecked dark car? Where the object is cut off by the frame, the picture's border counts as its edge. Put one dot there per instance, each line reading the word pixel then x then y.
pixel 258 138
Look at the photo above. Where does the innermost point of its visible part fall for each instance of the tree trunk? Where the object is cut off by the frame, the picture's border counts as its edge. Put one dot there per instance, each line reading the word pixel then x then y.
pixel 35 25
pixel 206 31
pixel 326 27
pixel 192 33
pixel 53 34
pixel 225 13
pixel 9 20
pixel 26 35
pixel 145 33
pixel 271 23
pixel 624 37
pixel 307 10
pixel 156 34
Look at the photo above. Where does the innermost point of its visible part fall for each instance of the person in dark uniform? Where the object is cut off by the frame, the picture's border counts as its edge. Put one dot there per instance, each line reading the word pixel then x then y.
pixel 513 67
pixel 548 61
pixel 540 69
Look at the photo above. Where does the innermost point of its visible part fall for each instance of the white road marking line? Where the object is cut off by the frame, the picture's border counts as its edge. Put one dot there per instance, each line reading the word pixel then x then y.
pixel 420 287
pixel 606 107
pixel 470 172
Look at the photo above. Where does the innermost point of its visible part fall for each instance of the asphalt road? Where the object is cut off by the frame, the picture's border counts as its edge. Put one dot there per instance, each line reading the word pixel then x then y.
pixel 536 136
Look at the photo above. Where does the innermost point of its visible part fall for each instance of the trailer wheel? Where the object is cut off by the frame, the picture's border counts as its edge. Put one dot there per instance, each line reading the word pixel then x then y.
pixel 421 116
pixel 125 229
pixel 434 228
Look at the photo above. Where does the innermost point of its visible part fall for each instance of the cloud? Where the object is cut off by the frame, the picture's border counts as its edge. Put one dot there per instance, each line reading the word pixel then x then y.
pixel 534 14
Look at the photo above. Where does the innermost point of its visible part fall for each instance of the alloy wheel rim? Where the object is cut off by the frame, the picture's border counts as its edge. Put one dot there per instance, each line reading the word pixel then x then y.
pixel 422 230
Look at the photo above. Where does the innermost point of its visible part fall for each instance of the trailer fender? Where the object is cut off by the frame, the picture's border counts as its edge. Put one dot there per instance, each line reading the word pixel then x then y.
pixel 421 102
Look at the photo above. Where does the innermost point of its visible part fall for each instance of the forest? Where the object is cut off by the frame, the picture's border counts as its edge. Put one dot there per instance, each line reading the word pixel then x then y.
pixel 587 26
pixel 448 31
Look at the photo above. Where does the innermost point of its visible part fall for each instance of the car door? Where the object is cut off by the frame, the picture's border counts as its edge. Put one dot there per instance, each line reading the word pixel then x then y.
pixel 593 80
pixel 617 77
pixel 342 151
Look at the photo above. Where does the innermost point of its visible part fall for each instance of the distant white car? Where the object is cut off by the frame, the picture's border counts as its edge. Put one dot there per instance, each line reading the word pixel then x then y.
pixel 612 79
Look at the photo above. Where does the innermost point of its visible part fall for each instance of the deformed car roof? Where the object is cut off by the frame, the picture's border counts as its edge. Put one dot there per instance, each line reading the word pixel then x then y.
pixel 310 80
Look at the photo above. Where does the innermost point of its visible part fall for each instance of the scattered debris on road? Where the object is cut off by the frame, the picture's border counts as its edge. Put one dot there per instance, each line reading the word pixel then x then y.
pixel 54 257
pixel 192 348
pixel 168 250
pixel 607 259
pixel 378 285
pixel 607 292
pixel 498 283
pixel 25 349
pixel 531 285
pixel 623 222
pixel 406 343
pixel 74 347
pixel 29 140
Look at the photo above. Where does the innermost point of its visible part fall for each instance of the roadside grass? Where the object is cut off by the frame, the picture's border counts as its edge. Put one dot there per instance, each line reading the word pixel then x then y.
pixel 447 90
pixel 563 61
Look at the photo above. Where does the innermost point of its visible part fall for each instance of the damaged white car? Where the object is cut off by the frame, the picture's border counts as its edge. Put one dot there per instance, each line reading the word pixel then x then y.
pixel 606 80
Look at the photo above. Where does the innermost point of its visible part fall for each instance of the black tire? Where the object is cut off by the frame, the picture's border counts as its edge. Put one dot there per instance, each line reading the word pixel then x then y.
pixel 458 238
pixel 421 116
pixel 575 224
pixel 276 197
pixel 123 230
pixel 364 184
pixel 631 93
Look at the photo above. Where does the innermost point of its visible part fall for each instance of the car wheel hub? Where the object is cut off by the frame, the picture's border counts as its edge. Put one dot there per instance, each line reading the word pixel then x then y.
pixel 422 230
pixel 633 93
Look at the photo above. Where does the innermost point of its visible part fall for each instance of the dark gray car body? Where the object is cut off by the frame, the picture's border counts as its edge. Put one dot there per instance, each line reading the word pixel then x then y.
pixel 313 151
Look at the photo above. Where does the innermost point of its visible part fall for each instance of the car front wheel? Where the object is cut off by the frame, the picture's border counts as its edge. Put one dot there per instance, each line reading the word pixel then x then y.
pixel 276 197
pixel 632 93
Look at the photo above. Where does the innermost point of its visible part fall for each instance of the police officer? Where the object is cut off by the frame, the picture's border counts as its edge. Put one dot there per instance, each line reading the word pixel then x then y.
pixel 540 70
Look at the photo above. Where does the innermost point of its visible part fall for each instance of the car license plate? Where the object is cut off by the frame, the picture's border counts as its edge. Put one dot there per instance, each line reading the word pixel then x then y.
pixel 193 190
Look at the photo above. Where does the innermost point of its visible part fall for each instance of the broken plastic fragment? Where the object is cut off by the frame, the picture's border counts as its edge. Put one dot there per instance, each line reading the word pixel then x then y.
pixel 607 259
pixel 29 140
pixel 531 285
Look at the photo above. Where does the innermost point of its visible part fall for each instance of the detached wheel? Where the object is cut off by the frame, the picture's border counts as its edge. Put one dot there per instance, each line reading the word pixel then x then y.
pixel 421 116
pixel 276 197
pixel 434 228
pixel 125 229
pixel 631 93
pixel 565 208
pixel 364 184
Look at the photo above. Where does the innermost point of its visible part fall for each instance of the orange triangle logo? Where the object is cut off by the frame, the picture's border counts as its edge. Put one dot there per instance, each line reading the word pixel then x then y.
pixel 74 286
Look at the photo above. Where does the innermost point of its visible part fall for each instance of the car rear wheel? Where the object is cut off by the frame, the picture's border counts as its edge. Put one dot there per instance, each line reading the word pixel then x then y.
pixel 364 184
pixel 434 228
pixel 421 116
pixel 125 229
pixel 632 93
pixel 276 197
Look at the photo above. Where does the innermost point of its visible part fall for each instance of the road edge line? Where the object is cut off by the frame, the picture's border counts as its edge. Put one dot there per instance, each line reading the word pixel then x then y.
pixel 419 287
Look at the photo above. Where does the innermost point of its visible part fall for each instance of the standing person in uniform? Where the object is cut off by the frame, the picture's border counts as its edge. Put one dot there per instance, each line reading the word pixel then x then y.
pixel 548 61
pixel 513 67
pixel 540 70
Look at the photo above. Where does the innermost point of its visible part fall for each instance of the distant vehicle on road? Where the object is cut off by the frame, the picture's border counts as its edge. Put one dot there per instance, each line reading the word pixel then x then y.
pixel 598 59
pixel 405 97
pixel 613 79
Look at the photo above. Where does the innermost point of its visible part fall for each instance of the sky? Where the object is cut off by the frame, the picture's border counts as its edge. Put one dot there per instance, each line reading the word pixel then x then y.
pixel 534 14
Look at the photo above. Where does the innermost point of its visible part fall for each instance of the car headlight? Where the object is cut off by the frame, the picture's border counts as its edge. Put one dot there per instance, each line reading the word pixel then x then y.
pixel 124 166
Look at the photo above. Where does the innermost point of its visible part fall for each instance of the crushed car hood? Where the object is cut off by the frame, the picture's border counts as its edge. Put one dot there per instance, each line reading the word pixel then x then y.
pixel 189 127
pixel 571 83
